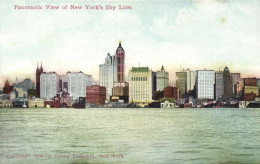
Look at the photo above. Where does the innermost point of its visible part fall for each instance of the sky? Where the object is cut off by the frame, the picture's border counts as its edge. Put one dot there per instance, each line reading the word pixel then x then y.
pixel 193 34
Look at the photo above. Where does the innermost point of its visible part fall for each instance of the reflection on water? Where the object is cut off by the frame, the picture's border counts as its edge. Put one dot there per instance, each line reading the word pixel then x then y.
pixel 130 135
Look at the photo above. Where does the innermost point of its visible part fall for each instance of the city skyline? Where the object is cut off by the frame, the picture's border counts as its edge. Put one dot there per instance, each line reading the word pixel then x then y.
pixel 190 34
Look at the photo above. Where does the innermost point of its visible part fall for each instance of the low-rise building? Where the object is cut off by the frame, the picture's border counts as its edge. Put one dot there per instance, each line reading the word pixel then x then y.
pixel 251 89
pixel 6 104
pixel 35 103
pixel 95 94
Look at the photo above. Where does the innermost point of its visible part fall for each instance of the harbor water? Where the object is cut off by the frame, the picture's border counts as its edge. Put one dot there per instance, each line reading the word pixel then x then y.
pixel 129 135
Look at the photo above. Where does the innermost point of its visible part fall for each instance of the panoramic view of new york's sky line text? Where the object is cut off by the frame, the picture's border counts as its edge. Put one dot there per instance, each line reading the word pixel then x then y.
pixel 188 34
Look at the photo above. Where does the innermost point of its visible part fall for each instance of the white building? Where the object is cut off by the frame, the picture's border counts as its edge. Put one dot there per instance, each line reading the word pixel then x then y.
pixel 205 84
pixel 140 85
pixel 108 74
pixel 77 83
pixel 48 87
pixel 162 79
pixel 191 79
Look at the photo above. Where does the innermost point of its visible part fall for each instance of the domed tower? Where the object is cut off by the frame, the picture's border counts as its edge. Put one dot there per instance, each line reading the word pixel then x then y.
pixel 120 57
pixel 228 88
pixel 39 71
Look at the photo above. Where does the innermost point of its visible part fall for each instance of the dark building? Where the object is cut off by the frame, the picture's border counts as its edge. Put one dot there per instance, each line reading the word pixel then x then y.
pixel 39 71
pixel 171 92
pixel 249 96
pixel 228 87
pixel 154 85
pixel 7 88
pixel 120 57
pixel 95 94
pixel 158 95
pixel 250 81
pixel 120 91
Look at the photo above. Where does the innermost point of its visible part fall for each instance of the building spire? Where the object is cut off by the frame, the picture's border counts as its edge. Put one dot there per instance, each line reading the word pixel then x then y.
pixel 41 64
pixel 162 69
pixel 119 43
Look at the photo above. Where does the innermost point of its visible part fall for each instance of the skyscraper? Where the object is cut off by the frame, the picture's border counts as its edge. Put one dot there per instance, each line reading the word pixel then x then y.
pixel 219 87
pixel 181 82
pixel 205 84
pixel 162 79
pixel 108 74
pixel 228 88
pixel 120 58
pixel 48 85
pixel 39 71
pixel 140 85
pixel 191 80
pixel 236 81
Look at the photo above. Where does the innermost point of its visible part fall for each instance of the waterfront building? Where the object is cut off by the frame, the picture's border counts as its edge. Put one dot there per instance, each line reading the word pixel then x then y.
pixel 205 82
pixel 7 88
pixel 191 80
pixel 120 58
pixel 35 103
pixel 77 82
pixel 48 85
pixel 120 91
pixel 228 87
pixel 39 71
pixel 171 92
pixel 219 85
pixel 6 104
pixel 181 83
pixel 95 94
pixel 140 85
pixel 108 74
pixel 162 79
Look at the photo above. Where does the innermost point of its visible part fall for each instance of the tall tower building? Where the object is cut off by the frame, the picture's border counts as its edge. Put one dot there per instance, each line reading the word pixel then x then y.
pixel 228 87
pixel 108 74
pixel 120 57
pixel 48 82
pixel 39 71
pixel 162 79
pixel 181 83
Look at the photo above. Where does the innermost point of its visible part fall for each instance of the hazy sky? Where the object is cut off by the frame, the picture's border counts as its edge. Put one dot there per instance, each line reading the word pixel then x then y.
pixel 177 34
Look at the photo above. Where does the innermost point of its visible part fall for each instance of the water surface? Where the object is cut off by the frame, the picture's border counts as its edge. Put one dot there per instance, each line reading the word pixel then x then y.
pixel 130 135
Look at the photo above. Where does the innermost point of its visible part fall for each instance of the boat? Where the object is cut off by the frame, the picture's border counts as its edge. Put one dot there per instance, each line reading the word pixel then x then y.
pixel 24 105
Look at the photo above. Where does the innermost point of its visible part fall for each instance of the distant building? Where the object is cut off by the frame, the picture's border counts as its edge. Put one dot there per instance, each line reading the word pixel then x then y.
pixel 20 92
pixel 171 92
pixel 108 74
pixel 48 85
pixel 191 80
pixel 25 84
pixel 228 87
pixel 140 85
pixel 7 88
pixel 162 79
pixel 39 71
pixel 181 82
pixel 219 85
pixel 35 103
pixel 120 58
pixel 95 94
pixel 154 84
pixel 236 78
pixel 251 89
pixel 77 82
pixel 205 84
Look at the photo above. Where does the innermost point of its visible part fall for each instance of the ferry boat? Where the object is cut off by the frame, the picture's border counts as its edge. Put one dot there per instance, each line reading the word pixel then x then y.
pixel 167 104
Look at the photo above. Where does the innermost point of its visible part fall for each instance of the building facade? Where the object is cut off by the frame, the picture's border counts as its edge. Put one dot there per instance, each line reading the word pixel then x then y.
pixel 77 83
pixel 236 79
pixel 7 88
pixel 205 84
pixel 181 83
pixel 95 94
pixel 219 85
pixel 228 85
pixel 48 85
pixel 171 92
pixel 140 85
pixel 162 79
pixel 108 74
pixel 120 58
pixel 191 80
pixel 39 71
